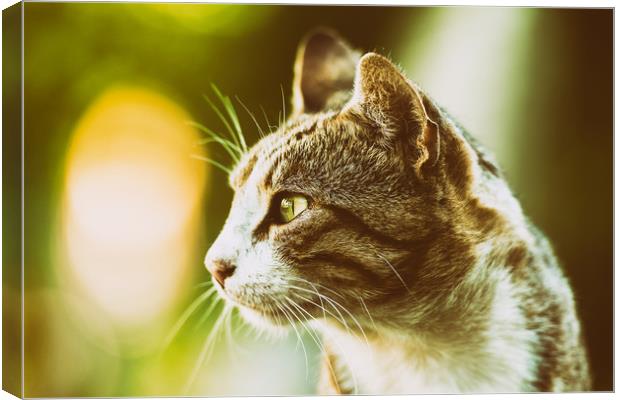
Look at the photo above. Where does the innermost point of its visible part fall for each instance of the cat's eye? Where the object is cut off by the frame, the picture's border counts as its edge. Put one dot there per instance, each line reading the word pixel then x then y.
pixel 291 206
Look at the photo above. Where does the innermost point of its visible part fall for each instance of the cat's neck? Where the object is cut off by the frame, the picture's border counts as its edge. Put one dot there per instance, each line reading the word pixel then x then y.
pixel 393 361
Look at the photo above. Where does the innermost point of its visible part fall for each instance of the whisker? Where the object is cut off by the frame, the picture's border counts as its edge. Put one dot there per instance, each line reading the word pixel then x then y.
pixel 321 307
pixel 260 129
pixel 186 314
pixel 314 335
pixel 215 135
pixel 355 321
pixel 207 313
pixel 230 342
pixel 237 331
pixel 340 319
pixel 298 307
pixel 368 312
pixel 300 340
pixel 395 272
pixel 213 162
pixel 283 104
pixel 332 302
pixel 322 348
pixel 269 126
pixel 314 285
pixel 203 284
pixel 221 116
pixel 231 148
pixel 207 349
pixel 230 109
pixel 310 331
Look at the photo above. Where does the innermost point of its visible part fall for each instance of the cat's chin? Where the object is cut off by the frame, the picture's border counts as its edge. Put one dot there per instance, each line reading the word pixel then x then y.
pixel 264 322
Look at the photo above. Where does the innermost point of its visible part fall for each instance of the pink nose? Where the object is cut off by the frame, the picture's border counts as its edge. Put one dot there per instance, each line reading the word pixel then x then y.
pixel 221 270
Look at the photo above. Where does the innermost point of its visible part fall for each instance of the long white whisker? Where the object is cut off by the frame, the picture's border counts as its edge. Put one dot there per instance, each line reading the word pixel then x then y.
pixel 310 331
pixel 320 306
pixel 213 162
pixel 315 285
pixel 203 284
pixel 322 296
pixel 298 307
pixel 400 278
pixel 260 129
pixel 186 314
pixel 207 348
pixel 207 313
pixel 233 150
pixel 221 116
pixel 230 342
pixel 340 319
pixel 368 312
pixel 355 321
pixel 347 359
pixel 296 332
pixel 316 338
pixel 283 104
pixel 269 126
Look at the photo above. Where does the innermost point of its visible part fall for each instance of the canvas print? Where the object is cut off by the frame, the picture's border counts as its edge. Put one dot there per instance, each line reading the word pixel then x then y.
pixel 225 200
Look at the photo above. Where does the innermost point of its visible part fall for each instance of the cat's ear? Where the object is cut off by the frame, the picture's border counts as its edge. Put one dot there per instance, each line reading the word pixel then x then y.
pixel 324 72
pixel 383 96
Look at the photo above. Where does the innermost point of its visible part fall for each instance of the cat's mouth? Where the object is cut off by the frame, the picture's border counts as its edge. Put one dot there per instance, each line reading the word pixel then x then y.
pixel 266 311
pixel 264 316
pixel 278 315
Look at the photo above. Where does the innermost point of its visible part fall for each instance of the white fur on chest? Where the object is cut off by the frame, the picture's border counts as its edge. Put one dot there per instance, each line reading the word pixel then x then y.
pixel 501 360
pixel 388 370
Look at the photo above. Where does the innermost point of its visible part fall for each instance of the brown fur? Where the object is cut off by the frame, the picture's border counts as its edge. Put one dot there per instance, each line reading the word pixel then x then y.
pixel 401 203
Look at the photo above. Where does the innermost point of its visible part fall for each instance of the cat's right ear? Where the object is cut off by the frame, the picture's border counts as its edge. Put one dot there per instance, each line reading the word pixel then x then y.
pixel 387 100
pixel 324 72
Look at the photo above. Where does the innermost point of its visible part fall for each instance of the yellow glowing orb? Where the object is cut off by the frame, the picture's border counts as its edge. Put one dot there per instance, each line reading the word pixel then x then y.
pixel 132 203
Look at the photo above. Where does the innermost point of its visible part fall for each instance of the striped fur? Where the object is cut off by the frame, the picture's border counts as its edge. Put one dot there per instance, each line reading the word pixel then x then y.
pixel 414 259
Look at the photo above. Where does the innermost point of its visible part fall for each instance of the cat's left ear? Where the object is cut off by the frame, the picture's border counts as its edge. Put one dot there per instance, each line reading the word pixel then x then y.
pixel 324 72
pixel 384 97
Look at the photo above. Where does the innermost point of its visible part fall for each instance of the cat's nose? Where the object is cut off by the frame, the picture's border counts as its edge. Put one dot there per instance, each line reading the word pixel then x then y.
pixel 221 270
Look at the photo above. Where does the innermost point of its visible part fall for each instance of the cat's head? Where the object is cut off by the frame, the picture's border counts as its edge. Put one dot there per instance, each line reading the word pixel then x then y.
pixel 348 211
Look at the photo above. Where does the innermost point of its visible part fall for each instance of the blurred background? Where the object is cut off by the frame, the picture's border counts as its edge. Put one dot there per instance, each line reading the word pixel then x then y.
pixel 120 210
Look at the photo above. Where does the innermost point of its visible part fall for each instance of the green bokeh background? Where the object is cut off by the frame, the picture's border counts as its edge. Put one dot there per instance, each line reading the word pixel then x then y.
pixel 552 131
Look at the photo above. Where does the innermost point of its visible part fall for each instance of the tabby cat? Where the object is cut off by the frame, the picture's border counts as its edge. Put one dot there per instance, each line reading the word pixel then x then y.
pixel 370 213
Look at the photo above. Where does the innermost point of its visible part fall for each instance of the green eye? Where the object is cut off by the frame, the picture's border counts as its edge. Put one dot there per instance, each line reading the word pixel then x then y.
pixel 292 206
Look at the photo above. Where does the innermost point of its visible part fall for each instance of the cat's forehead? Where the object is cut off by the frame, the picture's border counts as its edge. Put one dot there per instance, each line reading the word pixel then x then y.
pixel 299 135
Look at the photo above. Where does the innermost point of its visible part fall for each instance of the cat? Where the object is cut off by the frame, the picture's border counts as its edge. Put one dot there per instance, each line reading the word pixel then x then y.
pixel 374 216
